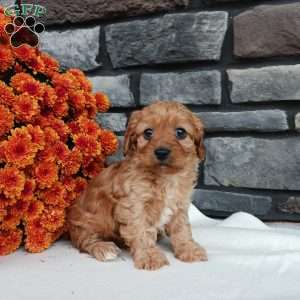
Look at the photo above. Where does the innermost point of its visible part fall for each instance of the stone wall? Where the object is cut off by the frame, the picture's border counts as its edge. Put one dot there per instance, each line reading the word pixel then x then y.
pixel 235 63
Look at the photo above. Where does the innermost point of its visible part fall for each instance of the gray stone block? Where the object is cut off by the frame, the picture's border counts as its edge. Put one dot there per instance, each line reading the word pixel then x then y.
pixel 171 38
pixel 277 83
pixel 292 205
pixel 231 202
pixel 116 87
pixel 268 30
pixel 119 154
pixel 261 120
pixel 297 121
pixel 76 11
pixel 253 163
pixel 202 87
pixel 112 121
pixel 223 1
pixel 6 3
pixel 76 48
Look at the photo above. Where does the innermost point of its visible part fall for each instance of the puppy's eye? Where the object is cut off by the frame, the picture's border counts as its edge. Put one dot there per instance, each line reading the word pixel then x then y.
pixel 148 133
pixel 180 133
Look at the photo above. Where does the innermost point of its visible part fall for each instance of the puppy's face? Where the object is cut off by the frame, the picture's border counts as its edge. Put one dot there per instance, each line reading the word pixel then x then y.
pixel 165 135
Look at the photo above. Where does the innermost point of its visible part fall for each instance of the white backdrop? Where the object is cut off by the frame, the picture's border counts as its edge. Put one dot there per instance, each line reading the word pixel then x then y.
pixel 248 260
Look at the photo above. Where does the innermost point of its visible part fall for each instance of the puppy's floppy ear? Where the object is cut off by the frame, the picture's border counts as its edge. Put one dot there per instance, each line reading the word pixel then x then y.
pixel 199 137
pixel 130 138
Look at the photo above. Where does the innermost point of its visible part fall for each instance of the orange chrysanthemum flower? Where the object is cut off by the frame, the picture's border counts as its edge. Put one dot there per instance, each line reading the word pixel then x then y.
pixel 7 96
pixel 80 185
pixel 25 83
pixel 18 68
pixel 88 159
pixel 19 149
pixel 51 64
pixel 2 151
pixel 43 120
pixel 3 213
pixel 91 105
pixel 88 126
pixel 21 132
pixel 85 84
pixel 11 220
pixel 102 102
pixel 10 241
pixel 49 143
pixel 90 98
pixel 46 154
pixel 68 182
pixel 37 136
pixel 34 210
pixel 77 99
pixel 61 93
pixel 49 97
pixel 6 120
pixel 91 110
pixel 4 38
pixel 56 124
pixel 71 196
pixel 37 65
pixel 74 128
pixel 60 127
pixel 12 182
pixel 60 151
pixel 6 58
pixel 25 53
pixel 60 109
pixel 109 142
pixel 72 164
pixel 6 202
pixel 87 144
pixel 19 208
pixel 37 237
pixel 93 168
pixel 53 218
pixel 55 195
pixel 25 107
pixel 46 173
pixel 28 191
pixel 51 136
pixel 66 82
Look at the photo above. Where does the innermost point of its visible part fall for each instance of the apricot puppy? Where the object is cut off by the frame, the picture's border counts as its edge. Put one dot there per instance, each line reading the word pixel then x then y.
pixel 129 202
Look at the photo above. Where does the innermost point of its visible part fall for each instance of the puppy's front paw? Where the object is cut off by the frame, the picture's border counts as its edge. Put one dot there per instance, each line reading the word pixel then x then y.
pixel 150 259
pixel 190 252
pixel 104 251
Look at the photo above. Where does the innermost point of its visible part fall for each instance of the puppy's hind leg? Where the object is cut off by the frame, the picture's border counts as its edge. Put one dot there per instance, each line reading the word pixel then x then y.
pixel 91 243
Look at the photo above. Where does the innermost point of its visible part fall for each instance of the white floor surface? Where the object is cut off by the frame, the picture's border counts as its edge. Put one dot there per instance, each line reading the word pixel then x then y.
pixel 248 260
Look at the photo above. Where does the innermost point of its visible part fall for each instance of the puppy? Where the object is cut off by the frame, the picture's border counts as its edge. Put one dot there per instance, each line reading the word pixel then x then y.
pixel 129 202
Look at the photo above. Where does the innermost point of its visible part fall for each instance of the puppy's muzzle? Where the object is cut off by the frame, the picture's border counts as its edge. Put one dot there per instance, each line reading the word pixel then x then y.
pixel 162 153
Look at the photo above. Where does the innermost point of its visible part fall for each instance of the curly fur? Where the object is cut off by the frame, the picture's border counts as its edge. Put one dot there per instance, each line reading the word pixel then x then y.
pixel 129 202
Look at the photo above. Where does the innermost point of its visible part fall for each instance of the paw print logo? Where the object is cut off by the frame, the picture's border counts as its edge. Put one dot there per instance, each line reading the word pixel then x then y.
pixel 24 31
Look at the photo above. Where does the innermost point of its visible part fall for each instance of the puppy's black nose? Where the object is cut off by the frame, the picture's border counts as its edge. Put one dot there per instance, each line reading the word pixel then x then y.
pixel 162 153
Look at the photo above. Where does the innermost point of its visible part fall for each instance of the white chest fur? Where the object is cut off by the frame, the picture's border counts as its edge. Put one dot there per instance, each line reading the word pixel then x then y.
pixel 173 195
pixel 170 203
pixel 165 217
